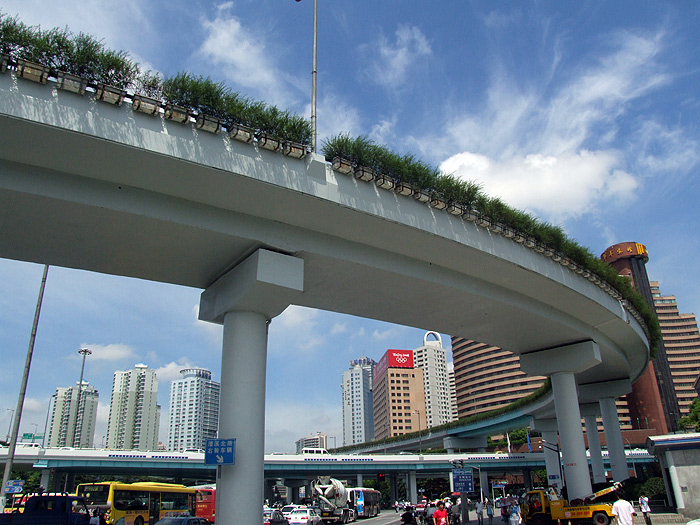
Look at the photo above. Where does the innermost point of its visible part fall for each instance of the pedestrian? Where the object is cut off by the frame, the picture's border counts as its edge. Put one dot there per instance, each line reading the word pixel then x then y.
pixel 514 517
pixel 644 507
pixel 407 518
pixel 489 511
pixel 622 510
pixel 440 514
pixel 456 513
pixel 480 512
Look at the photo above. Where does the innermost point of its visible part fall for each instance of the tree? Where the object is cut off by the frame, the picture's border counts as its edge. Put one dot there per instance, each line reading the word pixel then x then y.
pixel 692 420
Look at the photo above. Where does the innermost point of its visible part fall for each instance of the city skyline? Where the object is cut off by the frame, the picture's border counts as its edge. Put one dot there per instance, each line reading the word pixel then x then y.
pixel 583 115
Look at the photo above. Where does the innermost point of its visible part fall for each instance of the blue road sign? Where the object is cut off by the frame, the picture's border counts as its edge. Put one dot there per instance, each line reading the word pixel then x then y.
pixel 220 452
pixel 14 486
pixel 462 480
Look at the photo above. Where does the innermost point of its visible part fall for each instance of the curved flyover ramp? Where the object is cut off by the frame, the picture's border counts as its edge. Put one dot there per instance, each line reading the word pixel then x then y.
pixel 90 185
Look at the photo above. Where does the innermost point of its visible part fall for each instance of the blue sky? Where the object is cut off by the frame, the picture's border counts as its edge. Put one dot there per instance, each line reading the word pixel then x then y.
pixel 585 114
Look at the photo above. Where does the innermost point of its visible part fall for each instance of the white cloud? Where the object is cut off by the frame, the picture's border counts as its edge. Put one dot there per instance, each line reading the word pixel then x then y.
pixel 384 334
pixel 171 371
pixel 392 60
pixel 286 422
pixel 242 54
pixel 339 328
pixel 556 187
pixel 552 150
pixel 335 116
pixel 109 352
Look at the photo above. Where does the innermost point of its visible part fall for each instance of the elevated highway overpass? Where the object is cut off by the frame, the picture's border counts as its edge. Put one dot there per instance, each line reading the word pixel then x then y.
pixel 293 469
pixel 90 185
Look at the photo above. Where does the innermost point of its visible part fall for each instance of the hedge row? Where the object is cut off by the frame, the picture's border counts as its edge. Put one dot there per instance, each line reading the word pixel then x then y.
pixel 83 55
pixel 361 151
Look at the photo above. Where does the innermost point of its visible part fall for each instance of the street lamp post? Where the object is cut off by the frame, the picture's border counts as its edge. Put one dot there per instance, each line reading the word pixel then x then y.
pixel 313 80
pixel 46 424
pixel 9 428
pixel 84 352
pixel 420 433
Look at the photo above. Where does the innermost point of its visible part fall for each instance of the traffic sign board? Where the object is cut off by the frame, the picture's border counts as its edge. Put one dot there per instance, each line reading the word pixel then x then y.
pixel 463 480
pixel 220 452
pixel 14 486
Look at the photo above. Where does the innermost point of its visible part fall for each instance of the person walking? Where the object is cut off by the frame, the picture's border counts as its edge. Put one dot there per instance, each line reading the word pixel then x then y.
pixel 514 516
pixel 489 511
pixel 622 510
pixel 644 507
pixel 480 512
pixel 440 515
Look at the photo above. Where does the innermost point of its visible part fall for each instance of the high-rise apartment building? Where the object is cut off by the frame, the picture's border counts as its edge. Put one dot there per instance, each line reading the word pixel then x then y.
pixel 73 417
pixel 453 390
pixel 398 395
pixel 487 377
pixel 194 410
pixel 358 421
pixel 134 413
pixel 682 344
pixel 316 441
pixel 432 359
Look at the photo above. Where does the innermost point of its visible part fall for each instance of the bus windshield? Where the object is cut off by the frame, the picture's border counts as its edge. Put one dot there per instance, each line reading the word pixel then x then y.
pixel 94 494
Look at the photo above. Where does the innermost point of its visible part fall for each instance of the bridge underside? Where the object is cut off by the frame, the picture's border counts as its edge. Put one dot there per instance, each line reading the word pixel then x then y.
pixel 126 194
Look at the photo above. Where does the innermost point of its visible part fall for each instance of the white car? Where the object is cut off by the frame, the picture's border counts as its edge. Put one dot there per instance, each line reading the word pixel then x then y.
pixel 287 509
pixel 304 517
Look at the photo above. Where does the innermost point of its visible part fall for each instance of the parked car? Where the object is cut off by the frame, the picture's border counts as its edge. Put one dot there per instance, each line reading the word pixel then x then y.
pixel 183 520
pixel 304 517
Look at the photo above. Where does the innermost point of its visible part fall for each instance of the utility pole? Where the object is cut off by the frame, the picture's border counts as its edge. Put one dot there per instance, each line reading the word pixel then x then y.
pixel 22 390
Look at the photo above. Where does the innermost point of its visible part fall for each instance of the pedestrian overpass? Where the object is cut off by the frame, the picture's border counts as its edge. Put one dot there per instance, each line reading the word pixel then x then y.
pixel 103 187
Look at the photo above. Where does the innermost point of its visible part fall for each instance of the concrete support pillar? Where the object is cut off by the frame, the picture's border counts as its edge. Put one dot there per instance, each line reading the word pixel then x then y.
pixel 359 480
pixel 594 449
pixel 550 447
pixel 45 479
pixel 527 478
pixel 244 300
pixel 613 436
pixel 675 484
pixel 412 488
pixel 393 488
pixel 578 481
pixel 561 364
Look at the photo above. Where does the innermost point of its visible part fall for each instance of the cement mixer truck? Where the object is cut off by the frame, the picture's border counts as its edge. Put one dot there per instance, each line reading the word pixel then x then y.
pixel 333 500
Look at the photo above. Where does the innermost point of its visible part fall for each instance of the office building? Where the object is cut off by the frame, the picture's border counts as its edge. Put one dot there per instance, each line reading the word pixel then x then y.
pixel 358 421
pixel 682 344
pixel 652 404
pixel 398 396
pixel 73 417
pixel 134 414
pixel 431 358
pixel 194 410
pixel 487 377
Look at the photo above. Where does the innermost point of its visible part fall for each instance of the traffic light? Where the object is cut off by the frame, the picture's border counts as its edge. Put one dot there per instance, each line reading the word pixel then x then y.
pixel 381 477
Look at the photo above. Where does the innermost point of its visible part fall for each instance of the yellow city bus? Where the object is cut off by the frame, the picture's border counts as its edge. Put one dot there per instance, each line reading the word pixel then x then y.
pixel 137 503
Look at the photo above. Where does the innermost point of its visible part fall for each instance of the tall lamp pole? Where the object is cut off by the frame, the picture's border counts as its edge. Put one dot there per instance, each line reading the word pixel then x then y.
pixel 314 72
pixel 84 352
pixel 23 389
pixel 420 432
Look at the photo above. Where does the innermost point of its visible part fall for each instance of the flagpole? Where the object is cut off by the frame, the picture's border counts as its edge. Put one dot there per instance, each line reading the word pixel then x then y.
pixel 314 74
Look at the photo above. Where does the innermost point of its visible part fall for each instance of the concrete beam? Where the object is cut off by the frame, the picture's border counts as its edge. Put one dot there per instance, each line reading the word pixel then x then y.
pixel 595 391
pixel 265 283
pixel 575 358
pixel 468 443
